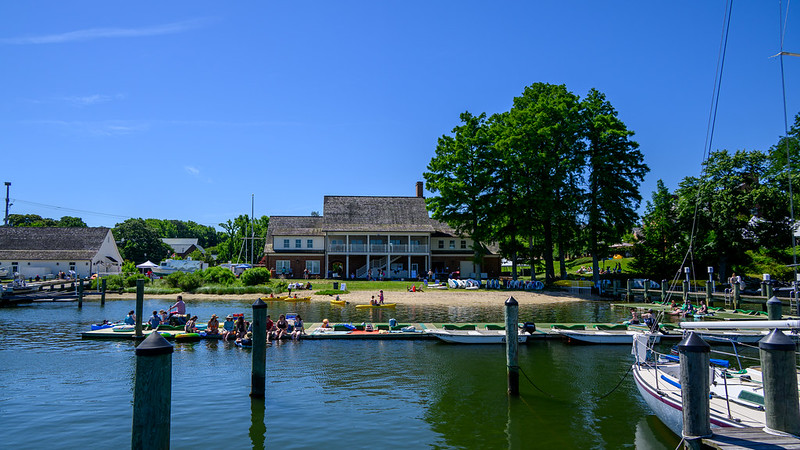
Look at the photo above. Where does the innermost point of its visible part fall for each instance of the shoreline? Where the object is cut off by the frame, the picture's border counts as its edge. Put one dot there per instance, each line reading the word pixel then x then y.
pixel 450 297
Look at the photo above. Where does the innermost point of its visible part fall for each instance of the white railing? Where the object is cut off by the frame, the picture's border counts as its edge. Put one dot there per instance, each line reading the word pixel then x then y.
pixel 378 248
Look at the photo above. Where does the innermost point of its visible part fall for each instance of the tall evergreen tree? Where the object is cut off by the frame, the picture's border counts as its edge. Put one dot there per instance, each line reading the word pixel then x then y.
pixel 614 169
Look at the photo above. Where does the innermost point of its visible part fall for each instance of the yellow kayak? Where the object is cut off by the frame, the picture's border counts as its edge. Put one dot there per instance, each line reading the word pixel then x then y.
pixel 385 305
pixel 274 299
pixel 338 302
pixel 298 299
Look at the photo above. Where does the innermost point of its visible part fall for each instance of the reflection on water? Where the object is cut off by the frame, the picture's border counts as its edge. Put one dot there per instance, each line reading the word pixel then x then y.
pixel 341 393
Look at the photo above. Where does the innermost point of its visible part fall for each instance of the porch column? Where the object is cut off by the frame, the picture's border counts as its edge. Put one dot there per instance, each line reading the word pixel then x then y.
pixel 347 266
pixel 408 267
pixel 325 249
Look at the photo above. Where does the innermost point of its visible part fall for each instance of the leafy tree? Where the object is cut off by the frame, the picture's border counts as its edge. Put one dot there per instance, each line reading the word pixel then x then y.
pixel 206 235
pixel 615 168
pixel 232 245
pixel 544 132
pixel 30 220
pixel 71 222
pixel 461 172
pixel 315 214
pixel 140 242
pixel 657 254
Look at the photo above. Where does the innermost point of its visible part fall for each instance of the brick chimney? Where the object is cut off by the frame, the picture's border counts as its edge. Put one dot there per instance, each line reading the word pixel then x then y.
pixel 419 189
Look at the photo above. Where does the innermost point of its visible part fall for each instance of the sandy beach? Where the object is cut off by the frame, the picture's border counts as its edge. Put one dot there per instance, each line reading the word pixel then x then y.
pixel 429 297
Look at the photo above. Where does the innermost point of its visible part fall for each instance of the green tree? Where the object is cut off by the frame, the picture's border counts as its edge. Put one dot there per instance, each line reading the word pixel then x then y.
pixel 233 245
pixel 30 220
pixel 74 222
pixel 615 169
pixel 544 133
pixel 657 254
pixel 461 174
pixel 140 242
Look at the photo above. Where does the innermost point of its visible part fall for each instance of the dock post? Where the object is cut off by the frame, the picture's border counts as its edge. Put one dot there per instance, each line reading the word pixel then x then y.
pixel 139 306
pixel 769 289
pixel 629 291
pixel 646 285
pixel 709 293
pixel 80 293
pixel 152 393
pixel 737 295
pixel 615 287
pixel 780 383
pixel 259 368
pixel 512 322
pixel 103 292
pixel 685 290
pixel 663 290
pixel 774 308
pixel 695 389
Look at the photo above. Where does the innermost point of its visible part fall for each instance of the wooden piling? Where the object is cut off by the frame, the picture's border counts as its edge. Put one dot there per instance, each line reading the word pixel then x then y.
pixel 774 308
pixel 709 293
pixel 685 290
pixel 768 289
pixel 512 333
pixel 646 286
pixel 103 292
pixel 152 394
pixel 780 383
pixel 259 366
pixel 695 389
pixel 664 290
pixel 629 290
pixel 139 306
pixel 737 295
pixel 80 293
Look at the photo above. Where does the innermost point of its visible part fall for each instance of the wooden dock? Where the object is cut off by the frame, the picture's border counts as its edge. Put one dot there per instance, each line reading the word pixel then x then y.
pixel 749 438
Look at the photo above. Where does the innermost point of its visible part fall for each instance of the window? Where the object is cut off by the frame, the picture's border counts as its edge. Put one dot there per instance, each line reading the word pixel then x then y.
pixel 14 267
pixel 395 241
pixel 72 266
pixel 463 244
pixel 441 243
pixel 337 242
pixel 452 244
pixel 310 243
pixel 376 241
pixel 283 267
pixel 285 243
pixel 298 243
pixel 313 267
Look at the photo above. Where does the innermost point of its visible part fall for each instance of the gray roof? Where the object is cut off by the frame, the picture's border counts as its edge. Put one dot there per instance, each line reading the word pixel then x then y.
pixel 181 245
pixel 50 243
pixel 378 214
pixel 292 226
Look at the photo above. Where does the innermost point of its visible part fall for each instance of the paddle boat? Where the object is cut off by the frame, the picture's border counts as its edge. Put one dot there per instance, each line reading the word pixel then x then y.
pixel 385 305
pixel 475 336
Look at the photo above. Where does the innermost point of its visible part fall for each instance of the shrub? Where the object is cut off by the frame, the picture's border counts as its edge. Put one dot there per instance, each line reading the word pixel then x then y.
pixel 256 276
pixel 129 267
pixel 130 281
pixel 187 282
pixel 218 275
pixel 113 282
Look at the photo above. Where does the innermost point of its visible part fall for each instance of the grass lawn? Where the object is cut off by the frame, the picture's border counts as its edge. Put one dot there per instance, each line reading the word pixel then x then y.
pixel 574 264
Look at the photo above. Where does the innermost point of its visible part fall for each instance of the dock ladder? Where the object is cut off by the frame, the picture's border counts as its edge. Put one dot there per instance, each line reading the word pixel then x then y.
pixel 728 296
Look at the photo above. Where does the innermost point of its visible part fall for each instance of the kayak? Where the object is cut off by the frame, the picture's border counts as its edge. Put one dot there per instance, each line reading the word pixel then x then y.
pixel 338 302
pixel 274 299
pixel 298 299
pixel 385 305
pixel 187 337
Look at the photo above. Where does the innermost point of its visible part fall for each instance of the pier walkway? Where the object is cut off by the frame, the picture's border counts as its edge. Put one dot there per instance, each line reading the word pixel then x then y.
pixel 749 438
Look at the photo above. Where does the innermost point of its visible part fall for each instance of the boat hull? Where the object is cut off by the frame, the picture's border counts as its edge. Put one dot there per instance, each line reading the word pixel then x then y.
pixel 606 336
pixel 475 336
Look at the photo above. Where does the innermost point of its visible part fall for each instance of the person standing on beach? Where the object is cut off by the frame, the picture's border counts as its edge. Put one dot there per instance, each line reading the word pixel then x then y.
pixel 380 297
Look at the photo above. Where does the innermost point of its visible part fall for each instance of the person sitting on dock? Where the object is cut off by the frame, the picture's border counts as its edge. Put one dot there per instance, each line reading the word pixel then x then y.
pixel 179 307
pixel 282 326
pixel 299 328
pixel 270 326
pixel 154 321
pixel 246 340
pixel 634 320
pixel 241 327
pixel 373 302
pixel 703 310
pixel 191 325
pixel 213 325
pixel 164 317
pixel 651 320
pixel 325 325
pixel 228 328
pixel 130 319
pixel 687 309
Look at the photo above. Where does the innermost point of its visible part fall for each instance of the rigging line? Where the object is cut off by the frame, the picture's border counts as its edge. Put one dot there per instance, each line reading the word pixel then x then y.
pixel 530 381
pixel 63 208
pixel 787 139
pixel 713 112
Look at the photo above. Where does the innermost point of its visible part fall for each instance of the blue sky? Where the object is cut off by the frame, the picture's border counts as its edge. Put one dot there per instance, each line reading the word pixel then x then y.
pixel 182 110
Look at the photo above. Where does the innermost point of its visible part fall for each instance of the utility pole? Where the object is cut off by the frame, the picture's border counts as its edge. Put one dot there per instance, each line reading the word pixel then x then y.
pixel 8 186
pixel 252 228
